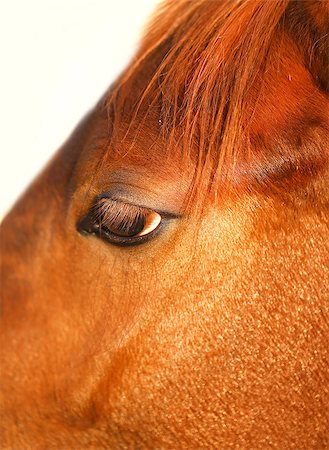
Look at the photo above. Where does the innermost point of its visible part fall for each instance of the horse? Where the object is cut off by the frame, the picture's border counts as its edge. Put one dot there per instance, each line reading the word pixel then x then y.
pixel 165 278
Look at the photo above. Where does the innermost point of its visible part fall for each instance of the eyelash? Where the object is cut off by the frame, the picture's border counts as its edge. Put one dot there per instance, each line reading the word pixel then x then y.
pixel 108 215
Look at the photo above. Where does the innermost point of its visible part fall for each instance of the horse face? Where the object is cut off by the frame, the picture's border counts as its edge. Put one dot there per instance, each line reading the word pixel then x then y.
pixel 130 321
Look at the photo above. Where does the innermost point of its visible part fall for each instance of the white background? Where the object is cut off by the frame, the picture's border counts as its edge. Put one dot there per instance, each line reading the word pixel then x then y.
pixel 57 59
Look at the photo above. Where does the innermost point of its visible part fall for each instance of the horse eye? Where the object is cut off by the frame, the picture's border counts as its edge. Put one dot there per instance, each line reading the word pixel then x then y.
pixel 121 223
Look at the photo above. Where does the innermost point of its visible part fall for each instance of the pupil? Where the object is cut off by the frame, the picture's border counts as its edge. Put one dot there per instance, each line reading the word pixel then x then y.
pixel 128 229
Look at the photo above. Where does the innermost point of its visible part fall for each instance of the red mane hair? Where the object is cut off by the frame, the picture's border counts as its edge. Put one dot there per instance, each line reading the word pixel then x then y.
pixel 232 83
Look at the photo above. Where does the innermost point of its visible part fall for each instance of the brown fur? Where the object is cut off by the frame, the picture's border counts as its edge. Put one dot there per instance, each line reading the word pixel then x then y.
pixel 215 333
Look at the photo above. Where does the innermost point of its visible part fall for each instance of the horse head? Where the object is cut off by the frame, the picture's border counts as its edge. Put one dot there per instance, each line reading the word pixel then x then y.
pixel 165 278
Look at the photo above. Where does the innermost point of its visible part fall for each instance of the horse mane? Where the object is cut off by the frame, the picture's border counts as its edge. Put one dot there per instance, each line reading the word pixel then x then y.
pixel 201 69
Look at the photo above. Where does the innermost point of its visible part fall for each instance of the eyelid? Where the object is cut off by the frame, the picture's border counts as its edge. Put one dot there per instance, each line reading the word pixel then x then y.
pixel 122 199
pixel 138 190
